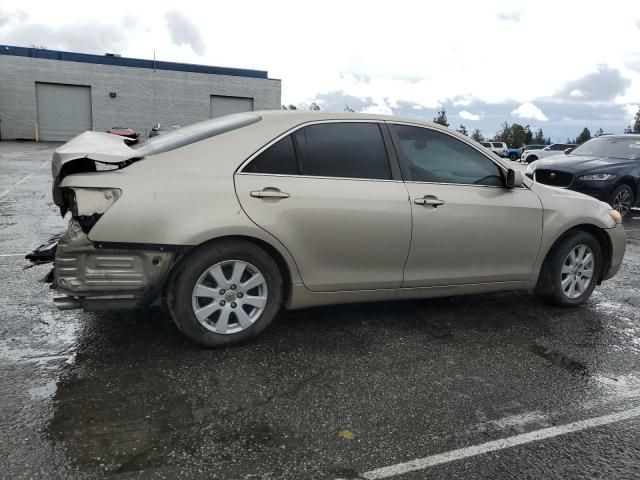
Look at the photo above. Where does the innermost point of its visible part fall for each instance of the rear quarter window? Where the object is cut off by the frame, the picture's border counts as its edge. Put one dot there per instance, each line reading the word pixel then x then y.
pixel 279 159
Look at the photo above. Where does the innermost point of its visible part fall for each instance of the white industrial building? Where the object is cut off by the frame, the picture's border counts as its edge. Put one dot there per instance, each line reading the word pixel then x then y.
pixel 52 95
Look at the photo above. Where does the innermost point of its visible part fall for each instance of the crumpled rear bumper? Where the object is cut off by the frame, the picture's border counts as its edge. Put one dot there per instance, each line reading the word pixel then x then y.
pixel 104 279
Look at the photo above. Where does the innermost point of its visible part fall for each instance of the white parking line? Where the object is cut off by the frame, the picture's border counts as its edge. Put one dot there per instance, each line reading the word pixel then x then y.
pixel 14 186
pixel 503 443
pixel 12 254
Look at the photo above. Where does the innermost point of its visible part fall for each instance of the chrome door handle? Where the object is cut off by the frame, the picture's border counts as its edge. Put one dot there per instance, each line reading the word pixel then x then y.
pixel 269 193
pixel 431 201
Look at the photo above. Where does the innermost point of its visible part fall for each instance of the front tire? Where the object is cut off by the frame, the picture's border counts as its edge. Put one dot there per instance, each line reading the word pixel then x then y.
pixel 531 158
pixel 622 199
pixel 513 157
pixel 571 270
pixel 225 293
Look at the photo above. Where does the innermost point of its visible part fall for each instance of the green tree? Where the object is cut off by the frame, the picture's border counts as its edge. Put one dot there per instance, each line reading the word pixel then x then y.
pixel 528 135
pixel 463 130
pixel 636 123
pixel 477 136
pixel 599 132
pixel 503 135
pixel 547 141
pixel 441 118
pixel 289 107
pixel 583 137
pixel 314 106
pixel 513 135
pixel 628 129
pixel 538 138
pixel 347 108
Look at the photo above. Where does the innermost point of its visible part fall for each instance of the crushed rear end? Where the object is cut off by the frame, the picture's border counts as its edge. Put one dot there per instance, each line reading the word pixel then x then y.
pixel 92 275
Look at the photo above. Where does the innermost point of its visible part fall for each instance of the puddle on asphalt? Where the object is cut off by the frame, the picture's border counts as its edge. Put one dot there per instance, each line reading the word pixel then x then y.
pixel 55 339
pixel 558 359
pixel 47 390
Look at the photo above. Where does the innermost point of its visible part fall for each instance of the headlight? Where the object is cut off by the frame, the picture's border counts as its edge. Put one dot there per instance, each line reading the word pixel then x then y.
pixel 616 216
pixel 598 176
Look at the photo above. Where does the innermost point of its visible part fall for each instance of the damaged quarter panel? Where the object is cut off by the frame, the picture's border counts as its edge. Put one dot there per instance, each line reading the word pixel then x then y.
pixel 182 197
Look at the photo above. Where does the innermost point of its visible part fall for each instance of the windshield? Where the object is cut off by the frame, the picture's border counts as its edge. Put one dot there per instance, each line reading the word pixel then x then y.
pixel 615 147
pixel 194 133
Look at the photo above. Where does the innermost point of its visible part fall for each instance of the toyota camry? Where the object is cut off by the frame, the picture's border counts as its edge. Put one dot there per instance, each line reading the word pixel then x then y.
pixel 229 220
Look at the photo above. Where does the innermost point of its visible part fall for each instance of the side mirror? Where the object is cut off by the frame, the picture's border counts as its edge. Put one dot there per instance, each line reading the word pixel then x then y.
pixel 567 151
pixel 513 179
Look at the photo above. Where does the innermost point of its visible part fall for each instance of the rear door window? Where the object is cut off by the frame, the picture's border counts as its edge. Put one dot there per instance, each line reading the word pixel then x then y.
pixel 347 150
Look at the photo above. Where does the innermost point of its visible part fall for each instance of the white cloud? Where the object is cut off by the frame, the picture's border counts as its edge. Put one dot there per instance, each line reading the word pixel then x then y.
pixel 576 93
pixel 468 115
pixel 530 112
pixel 631 110
pixel 398 66
pixel 380 108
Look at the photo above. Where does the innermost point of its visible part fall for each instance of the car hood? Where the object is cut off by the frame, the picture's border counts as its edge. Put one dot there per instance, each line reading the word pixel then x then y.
pixel 578 163
pixel 82 152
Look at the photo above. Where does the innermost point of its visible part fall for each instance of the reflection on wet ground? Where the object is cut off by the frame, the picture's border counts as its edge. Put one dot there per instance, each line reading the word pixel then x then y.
pixel 325 393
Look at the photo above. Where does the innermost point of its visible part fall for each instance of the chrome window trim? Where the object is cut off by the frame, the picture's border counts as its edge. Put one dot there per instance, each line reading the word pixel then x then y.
pixel 380 123
pixel 320 178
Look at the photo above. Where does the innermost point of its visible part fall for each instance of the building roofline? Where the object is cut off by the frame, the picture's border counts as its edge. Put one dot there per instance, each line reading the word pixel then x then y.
pixel 43 53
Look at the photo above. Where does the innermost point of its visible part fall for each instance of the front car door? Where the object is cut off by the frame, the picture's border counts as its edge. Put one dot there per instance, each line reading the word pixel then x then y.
pixel 330 195
pixel 467 227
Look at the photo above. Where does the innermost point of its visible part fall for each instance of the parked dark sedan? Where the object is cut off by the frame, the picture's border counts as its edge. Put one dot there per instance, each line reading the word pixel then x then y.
pixel 606 167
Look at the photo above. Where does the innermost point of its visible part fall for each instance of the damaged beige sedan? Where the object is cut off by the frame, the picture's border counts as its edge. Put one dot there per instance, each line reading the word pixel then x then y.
pixel 227 221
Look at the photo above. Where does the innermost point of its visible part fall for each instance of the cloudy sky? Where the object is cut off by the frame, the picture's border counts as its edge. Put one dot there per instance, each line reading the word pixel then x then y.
pixel 559 65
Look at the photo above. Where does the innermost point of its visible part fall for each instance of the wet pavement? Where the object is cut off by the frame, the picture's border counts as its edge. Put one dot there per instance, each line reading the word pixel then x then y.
pixel 331 392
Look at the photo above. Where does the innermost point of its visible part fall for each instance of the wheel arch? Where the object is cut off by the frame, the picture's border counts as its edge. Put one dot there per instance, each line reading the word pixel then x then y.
pixel 273 252
pixel 599 235
pixel 632 183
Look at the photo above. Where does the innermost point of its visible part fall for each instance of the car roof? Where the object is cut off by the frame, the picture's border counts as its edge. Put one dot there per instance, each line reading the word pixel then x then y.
pixel 313 115
pixel 621 135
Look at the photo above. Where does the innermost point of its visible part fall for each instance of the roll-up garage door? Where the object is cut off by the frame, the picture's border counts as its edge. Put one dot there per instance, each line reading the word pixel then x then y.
pixel 225 105
pixel 64 111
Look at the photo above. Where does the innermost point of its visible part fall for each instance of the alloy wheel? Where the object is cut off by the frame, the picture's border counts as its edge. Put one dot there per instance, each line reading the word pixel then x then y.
pixel 577 271
pixel 229 297
pixel 622 201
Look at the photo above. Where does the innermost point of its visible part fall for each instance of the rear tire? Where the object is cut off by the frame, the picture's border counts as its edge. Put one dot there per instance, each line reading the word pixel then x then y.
pixel 622 199
pixel 513 157
pixel 531 158
pixel 562 280
pixel 225 293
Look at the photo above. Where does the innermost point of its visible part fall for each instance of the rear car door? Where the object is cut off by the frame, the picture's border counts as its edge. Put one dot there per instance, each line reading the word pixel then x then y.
pixel 330 195
pixel 467 227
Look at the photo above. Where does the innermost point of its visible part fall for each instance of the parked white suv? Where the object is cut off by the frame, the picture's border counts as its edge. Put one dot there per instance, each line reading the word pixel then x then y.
pixel 553 149
pixel 499 148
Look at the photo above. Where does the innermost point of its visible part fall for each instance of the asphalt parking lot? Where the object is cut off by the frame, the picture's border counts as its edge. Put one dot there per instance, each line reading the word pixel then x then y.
pixel 486 386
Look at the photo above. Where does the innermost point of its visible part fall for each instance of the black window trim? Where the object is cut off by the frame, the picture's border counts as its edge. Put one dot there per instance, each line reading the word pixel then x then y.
pixel 299 142
pixel 404 168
